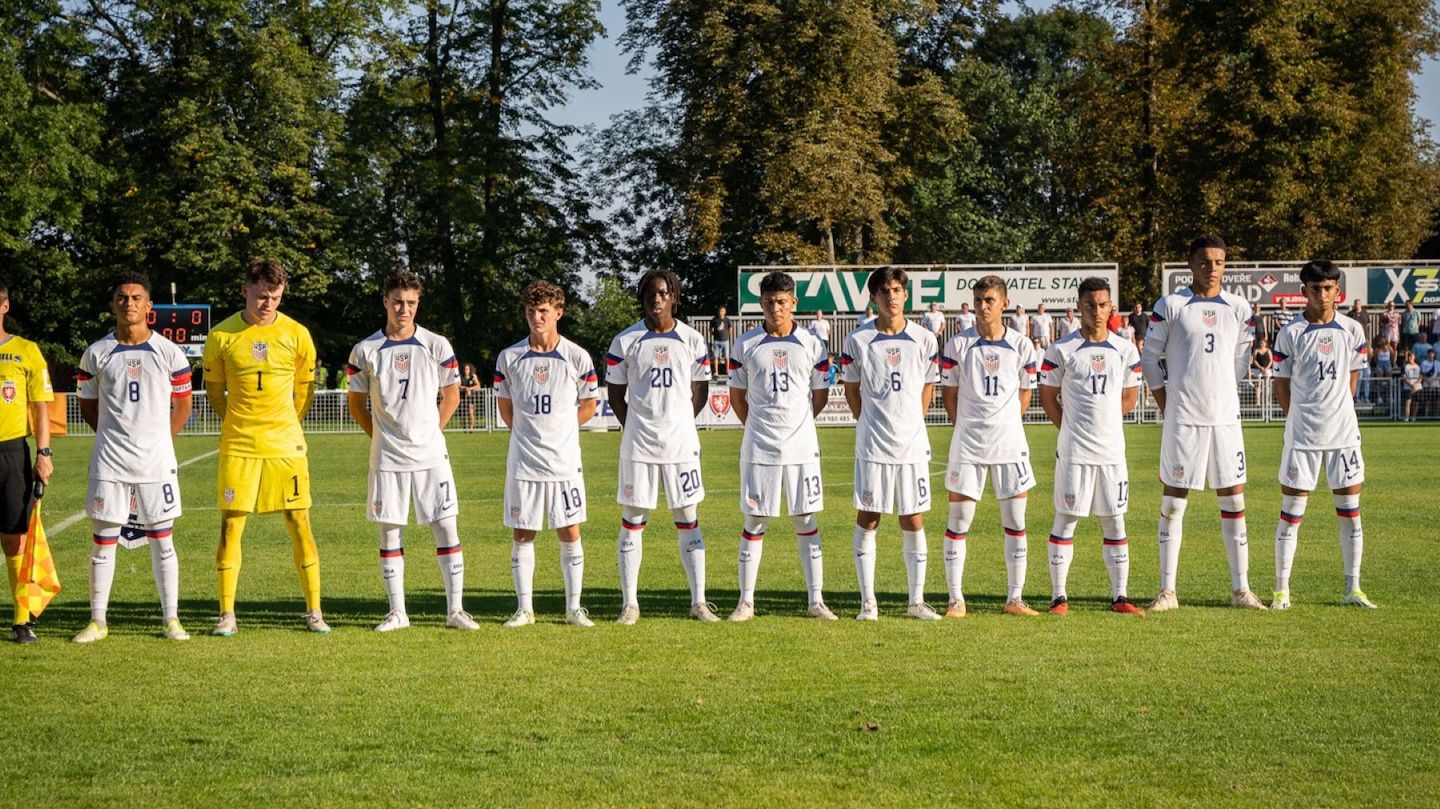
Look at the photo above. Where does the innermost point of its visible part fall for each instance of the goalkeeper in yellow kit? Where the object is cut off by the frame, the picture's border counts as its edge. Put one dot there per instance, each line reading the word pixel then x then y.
pixel 259 377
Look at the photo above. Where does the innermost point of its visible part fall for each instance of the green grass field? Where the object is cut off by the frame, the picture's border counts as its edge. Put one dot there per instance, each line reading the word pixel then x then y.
pixel 1207 706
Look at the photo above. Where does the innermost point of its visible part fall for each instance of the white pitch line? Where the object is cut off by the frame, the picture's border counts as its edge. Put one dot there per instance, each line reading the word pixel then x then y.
pixel 80 515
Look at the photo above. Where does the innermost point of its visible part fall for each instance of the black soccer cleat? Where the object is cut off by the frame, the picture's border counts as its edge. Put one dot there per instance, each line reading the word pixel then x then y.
pixel 24 634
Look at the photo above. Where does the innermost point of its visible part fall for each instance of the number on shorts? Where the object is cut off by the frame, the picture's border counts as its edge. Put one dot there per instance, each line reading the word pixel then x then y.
pixel 812 488
pixel 922 485
pixel 168 492
pixel 1350 462
pixel 895 380
pixel 133 390
pixel 1124 492
pixel 295 484
pixel 662 377
pixel 690 481
pixel 1240 456
pixel 445 492
pixel 571 498
pixel 541 404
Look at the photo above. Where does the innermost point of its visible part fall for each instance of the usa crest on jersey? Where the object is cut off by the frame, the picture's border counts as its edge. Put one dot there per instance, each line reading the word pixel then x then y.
pixel 259 349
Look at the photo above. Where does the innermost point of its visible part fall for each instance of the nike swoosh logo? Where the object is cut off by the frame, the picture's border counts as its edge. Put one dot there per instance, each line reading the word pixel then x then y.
pixel 168 510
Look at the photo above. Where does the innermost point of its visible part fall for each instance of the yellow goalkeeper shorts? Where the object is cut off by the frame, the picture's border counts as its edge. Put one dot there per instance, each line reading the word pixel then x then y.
pixel 262 485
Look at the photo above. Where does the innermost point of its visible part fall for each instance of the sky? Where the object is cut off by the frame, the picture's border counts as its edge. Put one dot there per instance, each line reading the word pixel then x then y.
pixel 620 91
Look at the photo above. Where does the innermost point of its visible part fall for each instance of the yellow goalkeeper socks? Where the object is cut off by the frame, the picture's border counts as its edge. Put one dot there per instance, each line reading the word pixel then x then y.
pixel 227 560
pixel 306 555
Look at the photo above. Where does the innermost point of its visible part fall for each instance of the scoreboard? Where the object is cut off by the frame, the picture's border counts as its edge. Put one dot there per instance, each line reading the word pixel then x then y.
pixel 185 324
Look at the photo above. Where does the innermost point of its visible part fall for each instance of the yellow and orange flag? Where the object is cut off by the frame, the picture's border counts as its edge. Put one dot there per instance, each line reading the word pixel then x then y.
pixel 38 582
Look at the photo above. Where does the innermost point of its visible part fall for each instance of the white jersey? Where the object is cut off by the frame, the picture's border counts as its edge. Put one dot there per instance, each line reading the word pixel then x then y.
pixel 1069 324
pixel 1206 346
pixel 776 376
pixel 404 379
pixel 988 376
pixel 658 369
pixel 934 322
pixel 821 329
pixel 1091 378
pixel 1040 326
pixel 964 320
pixel 1318 358
pixel 892 371
pixel 544 388
pixel 135 385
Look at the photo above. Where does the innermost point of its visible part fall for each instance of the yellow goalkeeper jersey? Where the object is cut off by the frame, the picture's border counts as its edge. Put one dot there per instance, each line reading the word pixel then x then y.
pixel 24 378
pixel 260 366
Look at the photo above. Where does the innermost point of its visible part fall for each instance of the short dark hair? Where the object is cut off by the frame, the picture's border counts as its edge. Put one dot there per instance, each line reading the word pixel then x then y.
pixel 403 279
pixel 671 280
pixel 1319 270
pixel 1092 284
pixel 776 281
pixel 4 289
pixel 126 277
pixel 986 282
pixel 266 270
pixel 1206 241
pixel 882 276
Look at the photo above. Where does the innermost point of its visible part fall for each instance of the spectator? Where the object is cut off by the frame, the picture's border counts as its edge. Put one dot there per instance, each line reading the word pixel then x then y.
pixel 322 375
pixel 1435 328
pixel 966 318
pixel 1262 359
pixel 1020 321
pixel 820 327
pixel 1390 324
pixel 834 371
pixel 934 322
pixel 1278 319
pixel 1040 324
pixel 719 342
pixel 1384 357
pixel 1126 332
pixel 1116 321
pixel 1070 322
pixel 469 393
pixel 869 314
pixel 1410 385
pixel 1430 381
pixel 1409 327
pixel 1357 311
pixel 1139 321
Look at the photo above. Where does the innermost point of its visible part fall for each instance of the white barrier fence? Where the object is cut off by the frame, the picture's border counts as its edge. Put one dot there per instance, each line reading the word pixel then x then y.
pixel 1380 399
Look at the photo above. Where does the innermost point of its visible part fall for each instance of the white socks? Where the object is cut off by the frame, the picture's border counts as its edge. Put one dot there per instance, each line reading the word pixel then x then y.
pixel 449 555
pixel 752 545
pixel 1237 543
pixel 1117 555
pixel 572 569
pixel 957 528
pixel 1012 518
pixel 392 565
pixel 105 536
pixel 1062 552
pixel 1171 531
pixel 1352 539
pixel 628 552
pixel 807 544
pixel 1287 534
pixel 522 572
pixel 917 554
pixel 692 551
pixel 864 547
pixel 165 567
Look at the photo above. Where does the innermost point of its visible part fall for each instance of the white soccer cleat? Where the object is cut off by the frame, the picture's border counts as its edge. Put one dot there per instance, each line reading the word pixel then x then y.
pixel 91 633
pixel 869 611
pixel 819 610
pixel 955 609
pixel 704 612
pixel 922 611
pixel 579 617
pixel 629 615
pixel 1281 600
pixel 1357 598
pixel 460 619
pixel 395 619
pixel 1246 600
pixel 744 611
pixel 225 627
pixel 520 618
pixel 314 622
pixel 1164 600
pixel 174 631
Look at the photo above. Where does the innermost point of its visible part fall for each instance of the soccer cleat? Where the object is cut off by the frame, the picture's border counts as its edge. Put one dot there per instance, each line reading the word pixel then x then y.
pixel 1125 606
pixel 579 617
pixel 1165 600
pixel 1281 600
pixel 744 611
pixel 869 611
pixel 629 615
pixel 1246 600
pixel 956 609
pixel 922 611
pixel 24 634
pixel 520 618
pixel 819 610
pixel 91 633
pixel 460 619
pixel 1016 606
pixel 703 611
pixel 394 619
pixel 315 623
pixel 174 631
pixel 1060 606
pixel 225 627
pixel 1357 598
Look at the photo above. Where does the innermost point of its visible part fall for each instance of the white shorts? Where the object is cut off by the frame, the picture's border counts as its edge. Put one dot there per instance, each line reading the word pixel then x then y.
pixel 432 490
pixel 1083 489
pixel 1007 480
pixel 640 484
pixel 139 503
pixel 530 504
pixel 892 488
pixel 1300 468
pixel 761 486
pixel 1193 455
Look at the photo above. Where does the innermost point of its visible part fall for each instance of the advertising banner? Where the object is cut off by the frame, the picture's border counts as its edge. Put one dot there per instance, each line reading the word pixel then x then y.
pixel 1417 285
pixel 843 290
pixel 1270 285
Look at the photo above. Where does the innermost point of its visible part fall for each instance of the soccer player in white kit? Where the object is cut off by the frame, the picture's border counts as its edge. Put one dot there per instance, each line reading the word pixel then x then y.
pixel 1203 333
pixel 890 367
pixel 1317 366
pixel 546 388
pixel 657 378
pixel 134 390
pixel 1089 380
pixel 403 370
pixel 777 385
pixel 989 377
